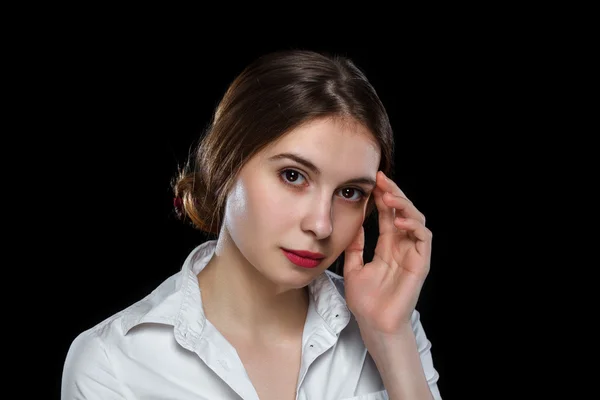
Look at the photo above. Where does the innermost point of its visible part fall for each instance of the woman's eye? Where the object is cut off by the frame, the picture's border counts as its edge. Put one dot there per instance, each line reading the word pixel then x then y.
pixel 295 178
pixel 292 176
pixel 352 194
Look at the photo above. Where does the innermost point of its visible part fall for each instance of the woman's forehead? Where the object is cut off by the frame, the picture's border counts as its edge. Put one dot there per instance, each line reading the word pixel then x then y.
pixel 329 142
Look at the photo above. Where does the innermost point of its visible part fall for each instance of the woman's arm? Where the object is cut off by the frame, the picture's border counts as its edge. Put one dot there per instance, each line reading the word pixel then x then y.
pixel 404 362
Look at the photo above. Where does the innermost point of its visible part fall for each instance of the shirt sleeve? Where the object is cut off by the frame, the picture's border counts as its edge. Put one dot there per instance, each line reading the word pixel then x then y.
pixel 87 372
pixel 424 347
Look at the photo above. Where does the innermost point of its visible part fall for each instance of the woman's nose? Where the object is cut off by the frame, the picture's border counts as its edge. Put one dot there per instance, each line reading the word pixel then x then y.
pixel 319 219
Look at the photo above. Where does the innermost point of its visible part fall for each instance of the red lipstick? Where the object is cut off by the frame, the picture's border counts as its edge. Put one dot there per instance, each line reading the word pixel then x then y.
pixel 305 259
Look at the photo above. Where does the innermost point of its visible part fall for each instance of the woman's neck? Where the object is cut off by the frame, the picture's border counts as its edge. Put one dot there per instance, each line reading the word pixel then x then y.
pixel 237 298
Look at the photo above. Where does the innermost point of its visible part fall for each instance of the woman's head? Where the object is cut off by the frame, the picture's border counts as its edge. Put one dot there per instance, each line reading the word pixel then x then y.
pixel 274 95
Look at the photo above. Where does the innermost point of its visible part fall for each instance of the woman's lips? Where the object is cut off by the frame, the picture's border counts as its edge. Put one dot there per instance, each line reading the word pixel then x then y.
pixel 303 262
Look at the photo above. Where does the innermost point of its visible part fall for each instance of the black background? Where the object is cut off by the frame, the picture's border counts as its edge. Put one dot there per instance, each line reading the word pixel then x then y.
pixel 122 110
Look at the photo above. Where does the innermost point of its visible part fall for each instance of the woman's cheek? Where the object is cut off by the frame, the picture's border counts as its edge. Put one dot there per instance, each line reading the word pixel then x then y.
pixel 276 202
pixel 348 223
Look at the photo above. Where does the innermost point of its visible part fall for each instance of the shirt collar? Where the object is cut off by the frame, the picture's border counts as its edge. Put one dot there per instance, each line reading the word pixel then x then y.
pixel 177 300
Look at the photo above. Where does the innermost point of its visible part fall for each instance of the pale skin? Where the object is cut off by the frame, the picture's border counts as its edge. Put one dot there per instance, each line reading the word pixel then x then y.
pixel 382 294
pixel 263 310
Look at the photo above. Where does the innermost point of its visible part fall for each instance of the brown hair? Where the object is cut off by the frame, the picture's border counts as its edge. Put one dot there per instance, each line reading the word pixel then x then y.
pixel 273 95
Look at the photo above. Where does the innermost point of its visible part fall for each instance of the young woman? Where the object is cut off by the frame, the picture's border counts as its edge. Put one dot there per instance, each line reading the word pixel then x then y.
pixel 298 154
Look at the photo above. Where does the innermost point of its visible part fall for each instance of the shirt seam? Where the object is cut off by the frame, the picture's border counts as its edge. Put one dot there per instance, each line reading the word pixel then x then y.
pixel 112 368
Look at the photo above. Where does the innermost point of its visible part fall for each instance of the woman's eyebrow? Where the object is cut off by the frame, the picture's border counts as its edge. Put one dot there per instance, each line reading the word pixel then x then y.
pixel 308 164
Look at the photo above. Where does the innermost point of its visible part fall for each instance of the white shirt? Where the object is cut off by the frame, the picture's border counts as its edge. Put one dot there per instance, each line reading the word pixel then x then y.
pixel 163 347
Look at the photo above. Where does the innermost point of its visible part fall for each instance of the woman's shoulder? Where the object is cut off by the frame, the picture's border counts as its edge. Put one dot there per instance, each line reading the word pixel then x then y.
pixel 114 326
pixel 90 353
pixel 87 364
pixel 88 346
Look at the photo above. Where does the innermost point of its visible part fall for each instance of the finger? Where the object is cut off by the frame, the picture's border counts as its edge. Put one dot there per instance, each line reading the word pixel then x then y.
pixel 385 212
pixel 404 207
pixel 417 231
pixel 389 185
pixel 353 255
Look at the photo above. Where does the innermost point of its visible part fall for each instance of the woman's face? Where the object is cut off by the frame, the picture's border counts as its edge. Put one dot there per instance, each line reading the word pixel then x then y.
pixel 279 202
